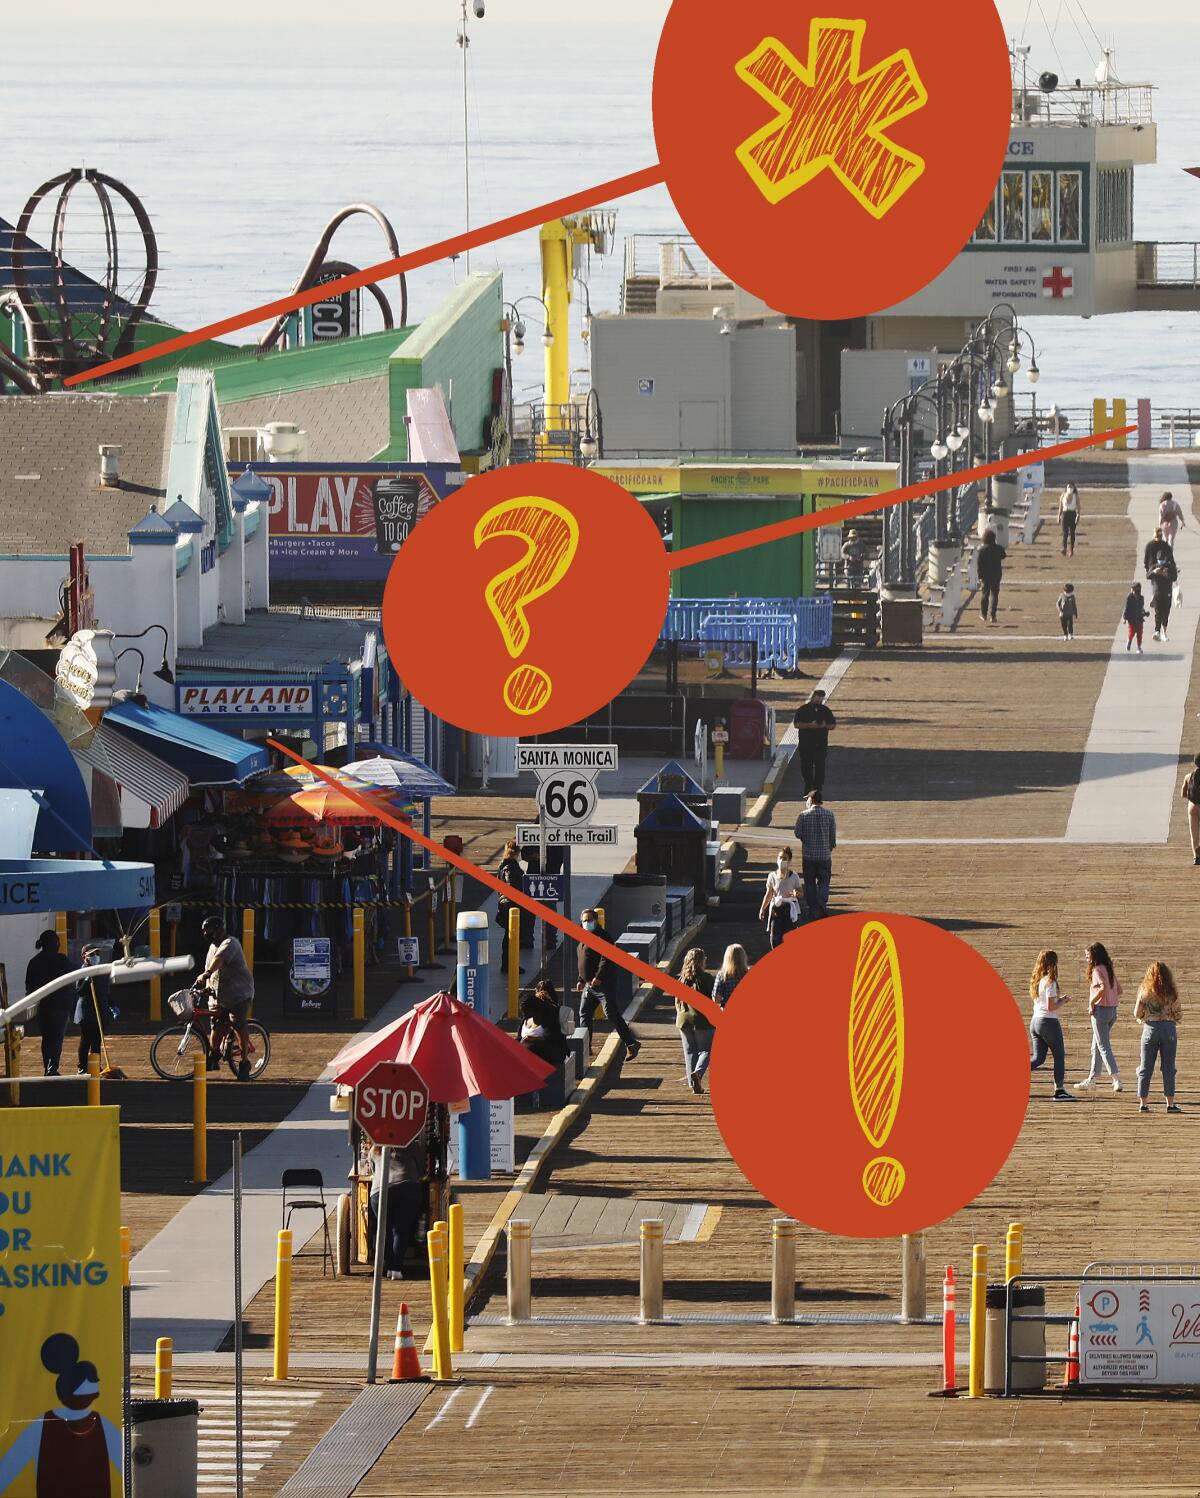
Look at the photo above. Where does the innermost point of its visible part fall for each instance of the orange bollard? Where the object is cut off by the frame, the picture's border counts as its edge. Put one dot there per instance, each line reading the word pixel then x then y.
pixel 948 1331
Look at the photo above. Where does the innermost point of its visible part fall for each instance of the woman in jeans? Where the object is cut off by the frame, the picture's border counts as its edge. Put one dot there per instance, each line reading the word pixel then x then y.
pixel 1159 1010
pixel 780 906
pixel 1103 993
pixel 1045 1026
pixel 734 968
pixel 694 1026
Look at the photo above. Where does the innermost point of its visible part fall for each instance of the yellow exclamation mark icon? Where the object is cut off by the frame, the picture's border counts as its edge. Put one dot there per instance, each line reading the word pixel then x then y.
pixel 877 1055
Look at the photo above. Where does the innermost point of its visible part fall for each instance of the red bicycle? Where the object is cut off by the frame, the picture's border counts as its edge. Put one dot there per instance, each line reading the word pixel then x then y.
pixel 205 1028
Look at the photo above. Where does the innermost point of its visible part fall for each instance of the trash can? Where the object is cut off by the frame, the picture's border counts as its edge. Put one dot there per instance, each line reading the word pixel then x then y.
pixel 1028 1338
pixel 164 1447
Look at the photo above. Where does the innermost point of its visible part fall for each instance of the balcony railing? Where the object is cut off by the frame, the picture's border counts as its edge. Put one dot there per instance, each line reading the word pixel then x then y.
pixel 1168 262
pixel 1089 104
pixel 671 260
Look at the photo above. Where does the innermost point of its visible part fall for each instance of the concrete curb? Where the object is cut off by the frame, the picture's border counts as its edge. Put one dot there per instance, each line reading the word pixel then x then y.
pixel 578 1104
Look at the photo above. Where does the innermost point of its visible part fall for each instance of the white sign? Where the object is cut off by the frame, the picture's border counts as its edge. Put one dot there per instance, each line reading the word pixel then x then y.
pixel 503 1138
pixel 231 698
pixel 920 369
pixel 566 799
pixel 645 387
pixel 592 836
pixel 1139 1332
pixel 87 668
pixel 586 757
pixel 408 949
pixel 1033 476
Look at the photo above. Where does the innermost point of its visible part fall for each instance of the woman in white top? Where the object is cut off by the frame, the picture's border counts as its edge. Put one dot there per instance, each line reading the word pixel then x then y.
pixel 1068 517
pixel 1103 992
pixel 1045 1027
pixel 1170 518
pixel 780 907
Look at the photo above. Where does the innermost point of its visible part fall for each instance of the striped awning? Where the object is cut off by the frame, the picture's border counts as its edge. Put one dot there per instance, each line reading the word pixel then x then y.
pixel 160 788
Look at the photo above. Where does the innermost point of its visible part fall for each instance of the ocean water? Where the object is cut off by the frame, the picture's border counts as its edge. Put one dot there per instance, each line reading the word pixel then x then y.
pixel 243 141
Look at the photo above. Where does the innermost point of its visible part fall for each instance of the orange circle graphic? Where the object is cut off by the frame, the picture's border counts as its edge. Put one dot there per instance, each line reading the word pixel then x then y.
pixel 527 600
pixel 832 165
pixel 870 1076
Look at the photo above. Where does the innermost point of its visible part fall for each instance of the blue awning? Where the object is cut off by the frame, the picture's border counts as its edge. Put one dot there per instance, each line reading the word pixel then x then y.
pixel 33 884
pixel 205 755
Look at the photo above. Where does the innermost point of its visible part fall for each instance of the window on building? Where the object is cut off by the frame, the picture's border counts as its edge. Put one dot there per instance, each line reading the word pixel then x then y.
pixel 1114 205
pixel 986 233
pixel 1012 201
pixel 1070 214
pixel 1041 207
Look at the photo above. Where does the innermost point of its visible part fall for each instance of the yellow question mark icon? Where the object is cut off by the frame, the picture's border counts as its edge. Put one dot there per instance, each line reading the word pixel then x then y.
pixel 551 536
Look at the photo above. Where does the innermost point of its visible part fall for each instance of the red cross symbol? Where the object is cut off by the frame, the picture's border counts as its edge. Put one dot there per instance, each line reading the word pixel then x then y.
pixel 1059 283
pixel 832 116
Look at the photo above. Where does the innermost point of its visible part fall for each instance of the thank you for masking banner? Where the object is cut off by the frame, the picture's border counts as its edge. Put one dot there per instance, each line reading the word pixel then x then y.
pixel 60 1303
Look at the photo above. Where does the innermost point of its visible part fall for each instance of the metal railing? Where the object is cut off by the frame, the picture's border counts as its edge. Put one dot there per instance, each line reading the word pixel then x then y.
pixel 1089 104
pixel 1168 262
pixel 670 259
pixel 812 618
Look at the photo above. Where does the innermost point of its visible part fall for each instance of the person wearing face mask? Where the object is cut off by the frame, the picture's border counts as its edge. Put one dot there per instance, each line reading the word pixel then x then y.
pixel 592 969
pixel 92 1009
pixel 780 906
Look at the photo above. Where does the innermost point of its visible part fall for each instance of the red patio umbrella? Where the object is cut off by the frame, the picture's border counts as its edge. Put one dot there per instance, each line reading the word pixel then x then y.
pixel 459 1053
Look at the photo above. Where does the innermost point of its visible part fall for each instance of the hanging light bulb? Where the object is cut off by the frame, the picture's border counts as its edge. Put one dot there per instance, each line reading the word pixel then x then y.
pixel 547 339
pixel 1033 373
pixel 1000 388
pixel 985 412
pixel 938 450
pixel 955 439
pixel 1014 360
pixel 587 447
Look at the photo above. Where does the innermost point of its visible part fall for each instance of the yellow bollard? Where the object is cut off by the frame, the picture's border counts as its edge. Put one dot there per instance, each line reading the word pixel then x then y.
pixel 360 964
pixel 60 925
pixel 1014 1251
pixel 514 959
pixel 283 1302
pixel 156 952
pixel 448 911
pixel 409 970
pixel 442 1365
pixel 248 938
pixel 199 1121
pixel 164 1376
pixel 93 1081
pixel 126 1254
pixel 600 917
pixel 978 1333
pixel 455 1269
pixel 431 954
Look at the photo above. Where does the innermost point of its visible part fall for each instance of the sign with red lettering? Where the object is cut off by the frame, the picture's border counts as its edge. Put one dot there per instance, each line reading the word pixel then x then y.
pixel 390 1103
pixel 327 523
pixel 230 698
pixel 1139 1331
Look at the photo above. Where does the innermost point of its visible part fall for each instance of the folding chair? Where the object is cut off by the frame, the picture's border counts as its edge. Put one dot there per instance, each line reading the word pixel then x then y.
pixel 294 1180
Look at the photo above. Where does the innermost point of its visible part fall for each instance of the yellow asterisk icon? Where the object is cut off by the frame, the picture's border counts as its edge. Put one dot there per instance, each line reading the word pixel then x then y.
pixel 832 116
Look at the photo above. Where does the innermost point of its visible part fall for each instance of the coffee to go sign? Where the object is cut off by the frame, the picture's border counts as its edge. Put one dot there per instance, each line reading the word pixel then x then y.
pixel 246 699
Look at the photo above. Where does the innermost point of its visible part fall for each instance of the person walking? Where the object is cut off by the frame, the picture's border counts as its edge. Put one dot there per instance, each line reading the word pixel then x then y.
pixel 734 967
pixel 990 570
pixel 1158 1008
pixel 512 872
pixel 1156 551
pixel 54 1011
pixel 1134 615
pixel 1103 992
pixel 1045 1028
pixel 1191 794
pixel 1068 518
pixel 93 1011
pixel 780 906
pixel 1068 610
pixel 694 1026
pixel 593 969
pixel 1170 518
pixel 817 830
pixel 813 721
pixel 1162 582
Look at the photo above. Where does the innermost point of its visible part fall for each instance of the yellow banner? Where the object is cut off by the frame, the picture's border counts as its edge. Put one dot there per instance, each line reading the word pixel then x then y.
pixel 845 480
pixel 641 478
pixel 60 1303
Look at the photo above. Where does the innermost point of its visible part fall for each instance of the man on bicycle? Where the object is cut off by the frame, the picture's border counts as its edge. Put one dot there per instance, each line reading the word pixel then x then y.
pixel 226 974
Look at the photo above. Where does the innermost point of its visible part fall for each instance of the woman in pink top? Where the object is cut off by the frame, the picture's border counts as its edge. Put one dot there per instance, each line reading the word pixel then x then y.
pixel 1104 991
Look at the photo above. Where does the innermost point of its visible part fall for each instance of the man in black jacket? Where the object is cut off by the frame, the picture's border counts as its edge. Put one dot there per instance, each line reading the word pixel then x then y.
pixel 54 1012
pixel 592 969
pixel 990 567
pixel 813 721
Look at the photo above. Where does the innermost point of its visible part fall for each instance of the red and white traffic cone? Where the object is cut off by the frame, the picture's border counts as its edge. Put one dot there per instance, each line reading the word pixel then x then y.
pixel 406 1365
pixel 1071 1375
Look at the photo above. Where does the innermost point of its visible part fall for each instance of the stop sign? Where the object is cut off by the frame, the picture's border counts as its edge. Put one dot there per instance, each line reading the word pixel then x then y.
pixel 390 1103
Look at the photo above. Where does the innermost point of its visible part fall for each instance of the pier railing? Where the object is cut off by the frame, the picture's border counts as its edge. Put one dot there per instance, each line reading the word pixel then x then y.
pixel 1168 262
pixel 1089 104
pixel 670 259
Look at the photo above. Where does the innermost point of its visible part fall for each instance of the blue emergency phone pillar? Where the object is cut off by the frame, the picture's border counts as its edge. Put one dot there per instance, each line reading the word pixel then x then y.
pixel 475 1126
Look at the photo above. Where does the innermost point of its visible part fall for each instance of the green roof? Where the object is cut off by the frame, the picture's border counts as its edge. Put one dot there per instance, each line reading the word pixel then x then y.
pixel 242 374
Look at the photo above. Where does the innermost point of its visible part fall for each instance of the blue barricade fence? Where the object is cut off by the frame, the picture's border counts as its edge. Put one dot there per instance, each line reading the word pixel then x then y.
pixel 813 617
pixel 773 634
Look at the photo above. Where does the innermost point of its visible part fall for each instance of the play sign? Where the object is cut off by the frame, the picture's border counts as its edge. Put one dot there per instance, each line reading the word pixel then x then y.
pixel 390 1103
